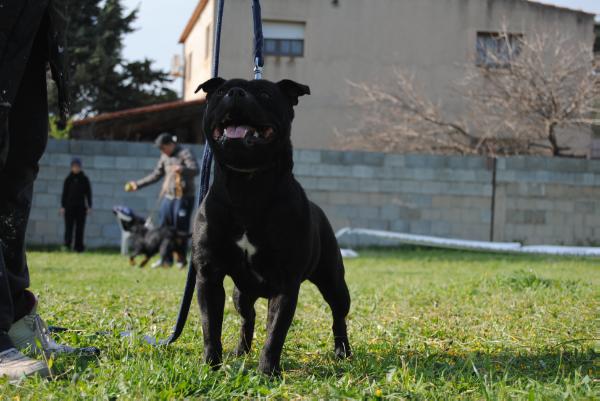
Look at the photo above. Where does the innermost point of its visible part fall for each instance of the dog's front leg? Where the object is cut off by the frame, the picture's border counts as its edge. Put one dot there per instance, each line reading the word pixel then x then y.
pixel 281 313
pixel 211 298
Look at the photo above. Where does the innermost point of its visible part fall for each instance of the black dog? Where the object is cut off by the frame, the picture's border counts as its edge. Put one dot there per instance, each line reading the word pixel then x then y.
pixel 257 225
pixel 149 241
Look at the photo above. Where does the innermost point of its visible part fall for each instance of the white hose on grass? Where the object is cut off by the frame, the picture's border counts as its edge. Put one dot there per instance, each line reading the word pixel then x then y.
pixel 365 237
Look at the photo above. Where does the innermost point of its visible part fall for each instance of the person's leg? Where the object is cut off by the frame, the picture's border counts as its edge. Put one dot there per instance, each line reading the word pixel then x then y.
pixel 164 213
pixel 69 222
pixel 79 229
pixel 184 215
pixel 28 128
pixel 166 217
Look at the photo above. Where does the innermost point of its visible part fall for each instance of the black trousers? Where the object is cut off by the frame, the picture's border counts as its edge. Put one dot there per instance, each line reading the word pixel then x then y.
pixel 28 126
pixel 75 218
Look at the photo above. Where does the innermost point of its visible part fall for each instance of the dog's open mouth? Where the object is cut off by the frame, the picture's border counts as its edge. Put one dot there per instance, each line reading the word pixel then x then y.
pixel 229 130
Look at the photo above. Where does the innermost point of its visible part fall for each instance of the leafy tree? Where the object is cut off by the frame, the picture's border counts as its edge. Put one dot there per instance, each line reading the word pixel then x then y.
pixel 100 79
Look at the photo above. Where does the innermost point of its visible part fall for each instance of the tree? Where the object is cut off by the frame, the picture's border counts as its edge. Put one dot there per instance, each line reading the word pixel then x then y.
pixel 100 79
pixel 518 99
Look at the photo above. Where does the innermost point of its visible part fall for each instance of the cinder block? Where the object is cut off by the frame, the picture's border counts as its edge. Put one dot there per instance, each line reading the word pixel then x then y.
pixel 366 185
pixel 420 227
pixel 309 156
pixel 123 162
pixel 586 206
pixel 46 200
pixel 376 224
pixel 363 172
pixel 368 212
pixel 440 228
pixel 103 189
pixel 400 226
pixel 389 212
pixel 92 147
pixel 426 161
pixel 326 183
pixel 332 157
pixel 57 146
pixel 147 163
pixel 352 158
pixel 394 160
pixel 103 162
pixel 62 160
pixel 373 158
pixel 349 184
pixel 303 169
pixel 116 148
pixel 111 231
pixel 347 211
pixel 307 182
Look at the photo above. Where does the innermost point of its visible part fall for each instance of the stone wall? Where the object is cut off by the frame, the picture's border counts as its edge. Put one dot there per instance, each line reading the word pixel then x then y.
pixel 537 200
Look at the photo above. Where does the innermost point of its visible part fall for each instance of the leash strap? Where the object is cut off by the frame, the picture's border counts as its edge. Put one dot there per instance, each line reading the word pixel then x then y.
pixel 190 282
pixel 207 158
pixel 259 61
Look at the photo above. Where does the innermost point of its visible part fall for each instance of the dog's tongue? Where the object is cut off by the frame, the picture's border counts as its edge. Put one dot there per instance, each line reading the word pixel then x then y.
pixel 236 132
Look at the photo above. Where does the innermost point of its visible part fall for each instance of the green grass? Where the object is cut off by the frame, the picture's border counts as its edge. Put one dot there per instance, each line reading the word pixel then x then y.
pixel 424 324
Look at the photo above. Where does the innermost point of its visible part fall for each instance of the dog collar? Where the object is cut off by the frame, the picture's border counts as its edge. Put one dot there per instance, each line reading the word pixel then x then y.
pixel 248 170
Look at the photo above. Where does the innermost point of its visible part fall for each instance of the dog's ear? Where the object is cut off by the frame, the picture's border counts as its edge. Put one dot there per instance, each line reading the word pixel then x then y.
pixel 293 90
pixel 210 86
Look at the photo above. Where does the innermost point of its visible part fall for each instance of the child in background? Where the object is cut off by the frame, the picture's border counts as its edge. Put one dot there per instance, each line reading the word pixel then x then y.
pixel 76 204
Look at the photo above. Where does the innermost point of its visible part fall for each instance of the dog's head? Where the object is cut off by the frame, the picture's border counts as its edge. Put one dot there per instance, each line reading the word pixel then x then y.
pixel 129 221
pixel 248 123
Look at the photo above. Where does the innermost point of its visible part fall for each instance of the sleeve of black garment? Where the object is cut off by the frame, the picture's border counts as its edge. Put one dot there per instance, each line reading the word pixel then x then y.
pixel 63 200
pixel 88 192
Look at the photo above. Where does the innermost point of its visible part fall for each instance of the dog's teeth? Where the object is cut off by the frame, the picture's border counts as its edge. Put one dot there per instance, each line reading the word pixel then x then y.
pixel 255 135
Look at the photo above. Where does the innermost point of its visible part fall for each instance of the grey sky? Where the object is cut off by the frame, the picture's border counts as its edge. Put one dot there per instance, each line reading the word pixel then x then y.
pixel 161 22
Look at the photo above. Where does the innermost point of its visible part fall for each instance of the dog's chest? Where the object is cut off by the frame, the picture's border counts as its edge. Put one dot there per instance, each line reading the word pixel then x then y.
pixel 246 246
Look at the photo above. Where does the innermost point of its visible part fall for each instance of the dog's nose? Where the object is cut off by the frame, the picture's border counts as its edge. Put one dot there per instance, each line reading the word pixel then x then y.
pixel 236 92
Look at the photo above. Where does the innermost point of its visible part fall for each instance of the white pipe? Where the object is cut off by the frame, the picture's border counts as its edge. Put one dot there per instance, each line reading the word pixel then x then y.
pixel 357 236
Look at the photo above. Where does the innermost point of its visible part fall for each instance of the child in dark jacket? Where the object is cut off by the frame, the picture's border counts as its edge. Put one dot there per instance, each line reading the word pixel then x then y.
pixel 76 204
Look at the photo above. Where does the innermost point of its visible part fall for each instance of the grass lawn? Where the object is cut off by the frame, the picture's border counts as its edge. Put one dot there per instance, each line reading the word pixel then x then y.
pixel 424 324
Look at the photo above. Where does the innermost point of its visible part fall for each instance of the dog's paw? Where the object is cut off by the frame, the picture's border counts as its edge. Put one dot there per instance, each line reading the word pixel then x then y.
pixel 213 359
pixel 241 350
pixel 343 351
pixel 269 368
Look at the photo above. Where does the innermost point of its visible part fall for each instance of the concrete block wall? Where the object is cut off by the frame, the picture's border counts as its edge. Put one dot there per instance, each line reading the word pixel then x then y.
pixel 548 201
pixel 537 200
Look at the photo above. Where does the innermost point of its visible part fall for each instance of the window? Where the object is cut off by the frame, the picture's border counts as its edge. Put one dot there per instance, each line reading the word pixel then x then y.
pixel 284 38
pixel 497 50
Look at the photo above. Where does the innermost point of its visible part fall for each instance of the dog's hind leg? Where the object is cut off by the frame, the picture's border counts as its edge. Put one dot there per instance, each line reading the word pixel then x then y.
pixel 145 261
pixel 330 282
pixel 244 304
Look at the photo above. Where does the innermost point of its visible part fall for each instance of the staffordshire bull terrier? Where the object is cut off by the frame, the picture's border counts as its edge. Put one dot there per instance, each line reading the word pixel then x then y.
pixel 256 223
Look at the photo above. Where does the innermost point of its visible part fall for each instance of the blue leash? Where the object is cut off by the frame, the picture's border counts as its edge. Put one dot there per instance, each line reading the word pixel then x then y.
pixel 207 156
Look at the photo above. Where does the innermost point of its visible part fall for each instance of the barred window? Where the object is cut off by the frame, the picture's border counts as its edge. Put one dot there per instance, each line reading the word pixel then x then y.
pixel 497 50
pixel 284 38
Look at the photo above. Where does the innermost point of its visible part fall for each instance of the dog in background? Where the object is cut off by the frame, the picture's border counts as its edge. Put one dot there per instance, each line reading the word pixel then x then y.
pixel 149 241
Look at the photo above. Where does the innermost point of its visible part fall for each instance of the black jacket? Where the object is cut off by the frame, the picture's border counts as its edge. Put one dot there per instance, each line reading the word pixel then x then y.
pixel 19 23
pixel 77 191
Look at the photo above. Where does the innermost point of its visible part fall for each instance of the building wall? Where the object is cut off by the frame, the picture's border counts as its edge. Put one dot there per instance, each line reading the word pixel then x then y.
pixel 538 200
pixel 198 49
pixel 364 41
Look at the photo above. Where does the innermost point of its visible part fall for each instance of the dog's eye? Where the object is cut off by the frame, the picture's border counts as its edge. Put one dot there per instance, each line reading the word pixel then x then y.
pixel 265 95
